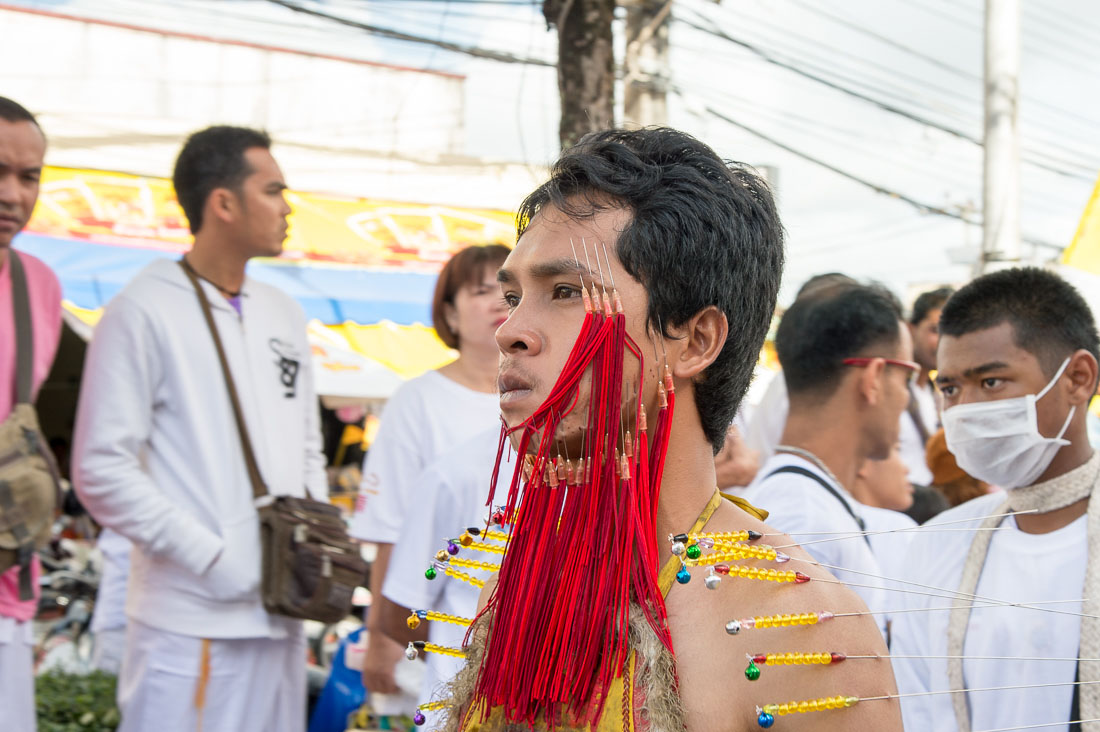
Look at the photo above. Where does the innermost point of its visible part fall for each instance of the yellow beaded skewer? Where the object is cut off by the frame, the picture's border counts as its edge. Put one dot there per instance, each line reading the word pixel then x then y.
pixel 414 619
pixel 433 571
pixel 765 715
pixel 473 564
pixel 414 648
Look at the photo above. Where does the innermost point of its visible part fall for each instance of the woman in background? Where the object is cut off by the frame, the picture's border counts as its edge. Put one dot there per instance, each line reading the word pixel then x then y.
pixel 423 418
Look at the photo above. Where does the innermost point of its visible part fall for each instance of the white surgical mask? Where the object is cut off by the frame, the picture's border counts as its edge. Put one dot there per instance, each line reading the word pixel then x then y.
pixel 999 442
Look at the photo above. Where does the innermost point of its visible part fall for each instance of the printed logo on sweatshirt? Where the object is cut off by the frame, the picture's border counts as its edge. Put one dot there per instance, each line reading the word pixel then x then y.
pixel 288 364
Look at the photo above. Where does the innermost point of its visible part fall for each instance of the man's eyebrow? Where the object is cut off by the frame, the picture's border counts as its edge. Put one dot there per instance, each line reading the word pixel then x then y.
pixel 976 371
pixel 563 266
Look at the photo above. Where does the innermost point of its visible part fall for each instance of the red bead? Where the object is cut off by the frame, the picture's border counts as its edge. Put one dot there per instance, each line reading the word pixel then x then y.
pixel 800 578
pixel 721 569
pixel 760 658
pixel 837 657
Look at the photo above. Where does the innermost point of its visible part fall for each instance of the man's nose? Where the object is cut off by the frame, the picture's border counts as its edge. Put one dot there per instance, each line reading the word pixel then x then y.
pixel 514 336
pixel 9 190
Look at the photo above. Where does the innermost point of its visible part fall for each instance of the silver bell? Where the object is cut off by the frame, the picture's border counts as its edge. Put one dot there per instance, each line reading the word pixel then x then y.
pixel 411 653
pixel 733 627
pixel 678 548
pixel 712 581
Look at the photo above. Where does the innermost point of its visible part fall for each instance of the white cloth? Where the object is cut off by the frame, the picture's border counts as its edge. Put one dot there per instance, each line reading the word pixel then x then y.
pixel 424 418
pixel 912 447
pixel 1020 567
pixel 255 684
pixel 110 598
pixel 157 456
pixel 17 713
pixel 449 497
pixel 769 417
pixel 890 550
pixel 801 507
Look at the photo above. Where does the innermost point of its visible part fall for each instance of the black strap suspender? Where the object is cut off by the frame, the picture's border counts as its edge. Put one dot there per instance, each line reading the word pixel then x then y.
pixel 796 470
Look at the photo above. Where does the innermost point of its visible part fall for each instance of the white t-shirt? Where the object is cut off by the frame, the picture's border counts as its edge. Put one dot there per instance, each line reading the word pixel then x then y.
pixel 912 446
pixel 769 418
pixel 1020 567
pixel 425 417
pixel 801 507
pixel 890 550
pixel 448 497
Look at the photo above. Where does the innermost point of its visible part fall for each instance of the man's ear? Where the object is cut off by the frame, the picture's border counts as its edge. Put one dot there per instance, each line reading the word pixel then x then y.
pixel 1082 372
pixel 870 382
pixel 222 204
pixel 700 341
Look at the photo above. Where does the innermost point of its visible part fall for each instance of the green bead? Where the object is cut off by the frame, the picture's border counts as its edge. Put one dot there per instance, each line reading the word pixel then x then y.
pixel 694 551
pixel 752 673
pixel 430 573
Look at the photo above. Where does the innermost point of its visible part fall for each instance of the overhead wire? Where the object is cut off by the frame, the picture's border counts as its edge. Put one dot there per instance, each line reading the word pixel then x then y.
pixel 847 90
pixel 877 188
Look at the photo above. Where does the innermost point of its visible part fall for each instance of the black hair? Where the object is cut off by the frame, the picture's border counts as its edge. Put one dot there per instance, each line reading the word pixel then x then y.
pixel 1049 317
pixel 926 302
pixel 13 111
pixel 213 158
pixel 820 282
pixel 703 232
pixel 819 331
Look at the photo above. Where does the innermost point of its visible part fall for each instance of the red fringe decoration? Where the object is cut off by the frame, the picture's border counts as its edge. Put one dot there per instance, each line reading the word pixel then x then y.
pixel 580 549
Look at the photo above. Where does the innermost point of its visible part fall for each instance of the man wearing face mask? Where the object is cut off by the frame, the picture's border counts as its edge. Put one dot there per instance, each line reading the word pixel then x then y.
pixel 1017 366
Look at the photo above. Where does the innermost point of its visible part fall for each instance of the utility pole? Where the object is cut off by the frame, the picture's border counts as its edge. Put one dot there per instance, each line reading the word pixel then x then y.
pixel 645 100
pixel 586 65
pixel 1001 175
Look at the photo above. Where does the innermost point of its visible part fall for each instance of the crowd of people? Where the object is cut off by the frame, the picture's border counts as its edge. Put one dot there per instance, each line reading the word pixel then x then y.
pixel 910 496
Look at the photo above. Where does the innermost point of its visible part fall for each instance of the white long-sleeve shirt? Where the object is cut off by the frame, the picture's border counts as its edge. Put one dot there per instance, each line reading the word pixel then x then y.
pixel 157 456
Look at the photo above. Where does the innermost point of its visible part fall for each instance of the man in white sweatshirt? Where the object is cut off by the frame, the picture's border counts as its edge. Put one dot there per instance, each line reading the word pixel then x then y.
pixel 158 456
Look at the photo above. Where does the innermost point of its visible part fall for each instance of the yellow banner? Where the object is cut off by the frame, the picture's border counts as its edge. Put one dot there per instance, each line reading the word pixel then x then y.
pixel 1084 252
pixel 131 210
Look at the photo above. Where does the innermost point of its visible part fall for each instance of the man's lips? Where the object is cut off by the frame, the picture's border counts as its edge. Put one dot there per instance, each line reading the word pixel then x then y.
pixel 8 221
pixel 512 387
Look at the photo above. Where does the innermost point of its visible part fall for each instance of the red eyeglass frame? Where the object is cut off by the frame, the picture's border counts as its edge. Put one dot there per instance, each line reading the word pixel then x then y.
pixel 913 366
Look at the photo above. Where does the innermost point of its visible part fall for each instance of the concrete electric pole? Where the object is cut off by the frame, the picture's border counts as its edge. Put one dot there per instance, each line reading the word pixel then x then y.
pixel 645 92
pixel 1001 178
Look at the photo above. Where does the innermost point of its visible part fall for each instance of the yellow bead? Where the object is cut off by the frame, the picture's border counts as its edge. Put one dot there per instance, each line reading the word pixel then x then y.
pixel 783 709
pixel 772 574
pixel 799 659
pixel 771 708
pixel 851 701
pixel 814 705
pixel 803 707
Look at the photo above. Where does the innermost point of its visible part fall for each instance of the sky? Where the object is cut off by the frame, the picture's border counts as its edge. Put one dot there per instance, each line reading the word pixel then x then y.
pixel 921 57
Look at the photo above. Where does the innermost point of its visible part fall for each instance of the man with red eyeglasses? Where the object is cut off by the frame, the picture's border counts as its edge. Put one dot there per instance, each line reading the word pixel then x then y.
pixel 847 362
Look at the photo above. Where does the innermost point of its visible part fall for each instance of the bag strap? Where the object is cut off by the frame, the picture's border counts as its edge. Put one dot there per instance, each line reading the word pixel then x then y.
pixel 259 490
pixel 797 470
pixel 24 342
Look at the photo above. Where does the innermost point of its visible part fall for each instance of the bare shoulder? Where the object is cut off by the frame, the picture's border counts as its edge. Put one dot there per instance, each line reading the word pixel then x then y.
pixel 716 633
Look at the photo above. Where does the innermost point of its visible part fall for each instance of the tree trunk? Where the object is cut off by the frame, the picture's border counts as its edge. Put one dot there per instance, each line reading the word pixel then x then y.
pixel 586 65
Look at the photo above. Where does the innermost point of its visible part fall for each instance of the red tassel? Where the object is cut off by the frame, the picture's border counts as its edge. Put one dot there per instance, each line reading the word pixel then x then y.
pixel 582 545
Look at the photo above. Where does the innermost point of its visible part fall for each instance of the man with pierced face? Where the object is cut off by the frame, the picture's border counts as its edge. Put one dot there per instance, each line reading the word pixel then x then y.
pixel 692 247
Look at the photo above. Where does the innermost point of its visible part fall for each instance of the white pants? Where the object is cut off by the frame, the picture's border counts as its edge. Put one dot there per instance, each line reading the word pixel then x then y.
pixel 16 676
pixel 250 684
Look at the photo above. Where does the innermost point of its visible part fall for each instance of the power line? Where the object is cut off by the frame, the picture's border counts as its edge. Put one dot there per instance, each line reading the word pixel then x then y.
pixel 474 51
pixel 886 106
pixel 919 205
